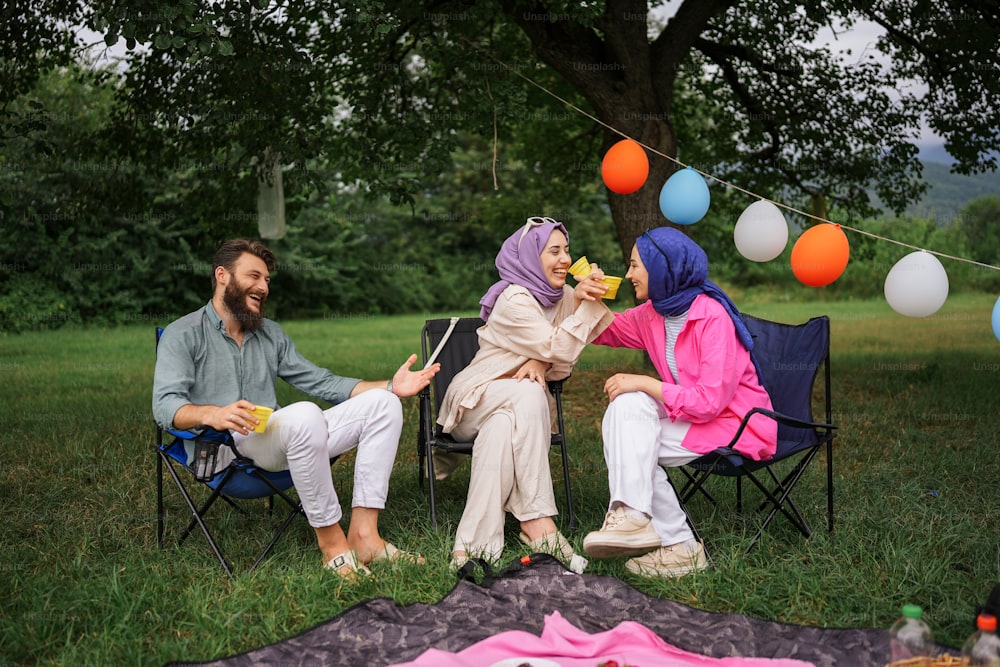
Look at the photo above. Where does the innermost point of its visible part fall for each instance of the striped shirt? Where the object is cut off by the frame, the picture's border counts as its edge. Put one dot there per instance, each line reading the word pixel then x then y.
pixel 672 327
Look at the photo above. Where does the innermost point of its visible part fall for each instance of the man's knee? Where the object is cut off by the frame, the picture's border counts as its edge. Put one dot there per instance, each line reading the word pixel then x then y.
pixel 300 423
pixel 380 405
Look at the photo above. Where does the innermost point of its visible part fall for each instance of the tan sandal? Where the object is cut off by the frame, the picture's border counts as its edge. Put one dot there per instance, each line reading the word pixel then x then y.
pixel 556 544
pixel 347 567
pixel 390 554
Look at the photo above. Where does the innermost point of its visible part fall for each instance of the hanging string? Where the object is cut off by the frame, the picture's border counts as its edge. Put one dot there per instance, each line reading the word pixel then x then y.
pixel 721 181
pixel 496 185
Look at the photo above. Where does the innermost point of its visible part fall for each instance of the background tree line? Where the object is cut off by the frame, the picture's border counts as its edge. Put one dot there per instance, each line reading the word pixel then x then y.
pixel 117 183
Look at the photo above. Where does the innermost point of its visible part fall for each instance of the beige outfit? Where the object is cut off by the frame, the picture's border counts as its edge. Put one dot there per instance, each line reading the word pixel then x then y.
pixel 510 420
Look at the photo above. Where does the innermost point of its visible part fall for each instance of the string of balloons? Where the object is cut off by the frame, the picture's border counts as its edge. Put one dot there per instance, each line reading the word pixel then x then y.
pixel 916 286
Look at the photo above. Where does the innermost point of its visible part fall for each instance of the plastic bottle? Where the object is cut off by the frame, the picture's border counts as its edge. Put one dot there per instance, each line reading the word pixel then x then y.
pixel 910 636
pixel 982 648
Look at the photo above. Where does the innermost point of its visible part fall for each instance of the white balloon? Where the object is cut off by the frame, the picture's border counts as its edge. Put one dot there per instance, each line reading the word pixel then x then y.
pixel 761 232
pixel 917 285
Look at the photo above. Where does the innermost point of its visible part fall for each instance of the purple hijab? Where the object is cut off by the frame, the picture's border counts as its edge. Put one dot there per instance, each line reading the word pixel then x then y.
pixel 520 263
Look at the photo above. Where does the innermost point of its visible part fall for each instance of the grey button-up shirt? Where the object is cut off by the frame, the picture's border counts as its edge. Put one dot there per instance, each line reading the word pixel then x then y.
pixel 198 363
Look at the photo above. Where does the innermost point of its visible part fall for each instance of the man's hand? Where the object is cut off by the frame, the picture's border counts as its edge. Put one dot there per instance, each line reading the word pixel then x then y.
pixel 408 383
pixel 233 417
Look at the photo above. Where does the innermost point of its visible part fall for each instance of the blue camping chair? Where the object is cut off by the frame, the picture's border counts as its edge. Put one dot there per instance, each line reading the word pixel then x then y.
pixel 790 357
pixel 241 480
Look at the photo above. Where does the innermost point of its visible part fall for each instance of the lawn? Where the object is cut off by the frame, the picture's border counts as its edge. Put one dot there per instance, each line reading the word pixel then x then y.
pixel 916 474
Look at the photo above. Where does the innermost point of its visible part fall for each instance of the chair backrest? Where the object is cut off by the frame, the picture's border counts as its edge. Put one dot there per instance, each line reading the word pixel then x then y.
pixel 247 481
pixel 790 356
pixel 458 351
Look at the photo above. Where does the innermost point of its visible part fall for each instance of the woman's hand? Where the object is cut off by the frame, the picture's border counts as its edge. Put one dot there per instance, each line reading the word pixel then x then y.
pixel 533 370
pixel 589 288
pixel 621 383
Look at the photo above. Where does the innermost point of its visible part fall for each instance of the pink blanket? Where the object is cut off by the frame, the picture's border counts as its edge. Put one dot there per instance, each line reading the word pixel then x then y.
pixel 564 645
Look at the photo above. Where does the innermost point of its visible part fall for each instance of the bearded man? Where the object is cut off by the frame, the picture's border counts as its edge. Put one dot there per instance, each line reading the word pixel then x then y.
pixel 216 365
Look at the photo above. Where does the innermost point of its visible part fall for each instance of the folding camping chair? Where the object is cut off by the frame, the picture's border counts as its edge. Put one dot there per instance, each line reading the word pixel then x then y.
pixel 241 480
pixel 789 357
pixel 454 342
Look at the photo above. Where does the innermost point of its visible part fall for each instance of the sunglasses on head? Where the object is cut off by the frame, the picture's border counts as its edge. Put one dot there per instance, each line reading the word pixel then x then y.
pixel 531 223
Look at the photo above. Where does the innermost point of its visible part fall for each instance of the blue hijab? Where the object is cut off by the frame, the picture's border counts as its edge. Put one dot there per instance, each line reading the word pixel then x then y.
pixel 678 272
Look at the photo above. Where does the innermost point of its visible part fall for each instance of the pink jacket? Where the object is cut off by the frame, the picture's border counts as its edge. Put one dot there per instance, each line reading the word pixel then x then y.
pixel 718 382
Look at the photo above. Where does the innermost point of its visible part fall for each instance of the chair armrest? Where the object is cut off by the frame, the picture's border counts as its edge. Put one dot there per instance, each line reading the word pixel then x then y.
pixel 776 416
pixel 209 434
pixel 556 386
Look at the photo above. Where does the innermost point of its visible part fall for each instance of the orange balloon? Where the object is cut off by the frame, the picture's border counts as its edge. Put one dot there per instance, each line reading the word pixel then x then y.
pixel 625 167
pixel 820 255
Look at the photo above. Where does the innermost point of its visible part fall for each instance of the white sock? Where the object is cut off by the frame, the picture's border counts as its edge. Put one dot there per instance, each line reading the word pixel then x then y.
pixel 635 514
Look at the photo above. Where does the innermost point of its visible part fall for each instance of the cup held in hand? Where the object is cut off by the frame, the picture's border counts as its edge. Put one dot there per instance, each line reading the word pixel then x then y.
pixel 612 283
pixel 580 267
pixel 263 414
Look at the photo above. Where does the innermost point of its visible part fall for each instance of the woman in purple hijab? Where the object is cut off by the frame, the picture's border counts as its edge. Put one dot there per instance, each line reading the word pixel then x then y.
pixel 536 327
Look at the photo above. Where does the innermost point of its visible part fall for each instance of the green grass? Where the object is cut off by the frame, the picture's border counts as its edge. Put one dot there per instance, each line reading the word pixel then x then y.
pixel 83 582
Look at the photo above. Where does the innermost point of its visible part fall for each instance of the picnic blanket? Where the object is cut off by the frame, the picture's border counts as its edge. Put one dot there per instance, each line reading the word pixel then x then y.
pixel 523 596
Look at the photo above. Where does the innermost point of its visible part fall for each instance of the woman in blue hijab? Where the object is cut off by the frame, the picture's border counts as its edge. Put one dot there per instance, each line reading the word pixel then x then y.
pixel 708 379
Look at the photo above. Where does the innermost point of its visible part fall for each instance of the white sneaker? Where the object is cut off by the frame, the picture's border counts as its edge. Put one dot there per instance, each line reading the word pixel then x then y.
pixel 621 535
pixel 669 562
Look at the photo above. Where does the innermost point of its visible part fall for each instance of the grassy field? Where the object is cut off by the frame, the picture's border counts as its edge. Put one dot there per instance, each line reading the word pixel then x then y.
pixel 83 582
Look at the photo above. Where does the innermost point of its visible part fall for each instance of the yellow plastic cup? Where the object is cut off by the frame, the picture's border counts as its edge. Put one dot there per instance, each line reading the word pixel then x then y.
pixel 263 414
pixel 612 283
pixel 580 267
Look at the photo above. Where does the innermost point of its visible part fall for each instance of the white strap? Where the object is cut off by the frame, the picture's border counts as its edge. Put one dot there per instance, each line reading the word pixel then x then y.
pixel 440 346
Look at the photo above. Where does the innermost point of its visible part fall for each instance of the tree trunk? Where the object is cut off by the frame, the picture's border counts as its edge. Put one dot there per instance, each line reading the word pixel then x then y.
pixel 635 213
pixel 629 82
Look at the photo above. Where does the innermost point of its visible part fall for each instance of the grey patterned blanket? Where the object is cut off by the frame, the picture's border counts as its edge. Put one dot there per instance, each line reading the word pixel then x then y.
pixel 380 632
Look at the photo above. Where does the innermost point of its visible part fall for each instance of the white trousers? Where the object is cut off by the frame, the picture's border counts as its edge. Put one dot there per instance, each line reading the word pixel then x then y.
pixel 302 438
pixel 639 438
pixel 512 432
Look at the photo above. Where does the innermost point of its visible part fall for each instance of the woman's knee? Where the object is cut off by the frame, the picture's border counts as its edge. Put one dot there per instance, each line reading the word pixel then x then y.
pixel 530 400
pixel 631 407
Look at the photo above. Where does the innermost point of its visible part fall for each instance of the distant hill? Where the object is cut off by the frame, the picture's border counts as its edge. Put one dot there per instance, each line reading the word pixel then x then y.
pixel 949 193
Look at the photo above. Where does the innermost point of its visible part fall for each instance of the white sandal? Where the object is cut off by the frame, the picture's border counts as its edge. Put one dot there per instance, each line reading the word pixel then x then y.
pixel 556 544
pixel 347 567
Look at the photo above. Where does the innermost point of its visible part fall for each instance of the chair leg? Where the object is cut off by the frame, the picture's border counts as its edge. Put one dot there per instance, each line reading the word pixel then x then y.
pixel 688 519
pixel 694 484
pixel 556 390
pixel 829 485
pixel 274 539
pixel 429 456
pixel 779 503
pixel 571 523
pixel 159 499
pixel 199 520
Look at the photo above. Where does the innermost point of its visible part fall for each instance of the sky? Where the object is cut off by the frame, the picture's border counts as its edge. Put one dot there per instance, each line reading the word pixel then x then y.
pixel 860 39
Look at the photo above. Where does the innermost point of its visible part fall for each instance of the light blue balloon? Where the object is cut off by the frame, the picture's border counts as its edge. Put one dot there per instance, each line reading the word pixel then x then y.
pixel 684 197
pixel 996 319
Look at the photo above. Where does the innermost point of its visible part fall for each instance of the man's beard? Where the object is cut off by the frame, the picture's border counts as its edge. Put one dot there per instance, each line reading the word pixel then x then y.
pixel 235 299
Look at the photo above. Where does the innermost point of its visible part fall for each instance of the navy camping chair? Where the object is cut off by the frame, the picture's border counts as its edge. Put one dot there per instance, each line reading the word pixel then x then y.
pixel 454 342
pixel 790 358
pixel 241 480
